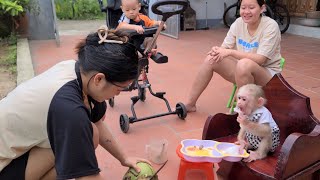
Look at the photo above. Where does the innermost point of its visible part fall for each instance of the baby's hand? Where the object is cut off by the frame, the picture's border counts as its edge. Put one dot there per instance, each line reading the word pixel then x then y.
pixel 164 27
pixel 154 51
pixel 158 24
pixel 139 29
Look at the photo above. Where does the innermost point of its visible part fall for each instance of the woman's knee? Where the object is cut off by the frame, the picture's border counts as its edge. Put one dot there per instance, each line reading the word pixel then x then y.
pixel 209 64
pixel 95 136
pixel 207 61
pixel 245 66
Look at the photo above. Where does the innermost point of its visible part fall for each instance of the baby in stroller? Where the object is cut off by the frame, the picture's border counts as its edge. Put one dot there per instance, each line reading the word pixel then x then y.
pixel 133 19
pixel 132 15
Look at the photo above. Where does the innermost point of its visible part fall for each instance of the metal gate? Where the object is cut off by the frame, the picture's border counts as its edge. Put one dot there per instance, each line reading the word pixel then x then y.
pixel 173 23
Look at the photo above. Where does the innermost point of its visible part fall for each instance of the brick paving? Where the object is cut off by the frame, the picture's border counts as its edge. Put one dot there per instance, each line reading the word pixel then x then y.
pixel 301 70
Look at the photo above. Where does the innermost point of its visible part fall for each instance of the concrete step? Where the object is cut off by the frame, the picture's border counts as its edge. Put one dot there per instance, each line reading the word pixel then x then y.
pixel 298 27
pixel 24 62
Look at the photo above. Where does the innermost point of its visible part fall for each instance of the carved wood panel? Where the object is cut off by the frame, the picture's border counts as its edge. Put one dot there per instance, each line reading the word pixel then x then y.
pixel 299 7
pixel 312 5
pixel 302 6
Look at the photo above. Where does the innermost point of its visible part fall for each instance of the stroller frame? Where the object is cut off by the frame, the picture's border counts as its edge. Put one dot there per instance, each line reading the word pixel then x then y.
pixel 154 32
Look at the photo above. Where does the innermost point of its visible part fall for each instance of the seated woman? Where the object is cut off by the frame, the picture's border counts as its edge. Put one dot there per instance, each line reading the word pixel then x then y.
pixel 51 124
pixel 250 53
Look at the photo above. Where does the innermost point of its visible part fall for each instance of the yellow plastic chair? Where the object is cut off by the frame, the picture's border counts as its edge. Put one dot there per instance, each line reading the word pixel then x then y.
pixel 233 100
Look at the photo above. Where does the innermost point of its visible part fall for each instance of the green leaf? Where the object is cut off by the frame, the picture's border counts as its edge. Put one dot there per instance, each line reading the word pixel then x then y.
pixel 9 8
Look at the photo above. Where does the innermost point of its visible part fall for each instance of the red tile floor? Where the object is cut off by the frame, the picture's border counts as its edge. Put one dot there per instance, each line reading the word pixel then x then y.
pixel 185 56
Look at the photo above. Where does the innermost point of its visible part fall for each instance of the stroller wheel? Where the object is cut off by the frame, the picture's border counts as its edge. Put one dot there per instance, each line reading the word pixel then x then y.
pixel 124 123
pixel 142 94
pixel 181 110
pixel 111 102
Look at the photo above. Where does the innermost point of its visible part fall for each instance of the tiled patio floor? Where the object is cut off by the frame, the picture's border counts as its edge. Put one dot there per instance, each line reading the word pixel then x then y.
pixel 185 56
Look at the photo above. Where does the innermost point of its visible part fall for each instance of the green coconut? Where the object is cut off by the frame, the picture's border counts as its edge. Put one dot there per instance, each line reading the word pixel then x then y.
pixel 146 172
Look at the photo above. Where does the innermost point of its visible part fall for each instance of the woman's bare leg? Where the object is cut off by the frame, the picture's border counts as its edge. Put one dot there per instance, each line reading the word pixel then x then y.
pixel 202 80
pixel 41 163
pixel 51 174
pixel 248 71
pixel 225 68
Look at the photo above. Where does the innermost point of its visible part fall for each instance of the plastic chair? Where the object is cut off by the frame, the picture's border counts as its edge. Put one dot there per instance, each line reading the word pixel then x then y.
pixel 232 101
pixel 206 167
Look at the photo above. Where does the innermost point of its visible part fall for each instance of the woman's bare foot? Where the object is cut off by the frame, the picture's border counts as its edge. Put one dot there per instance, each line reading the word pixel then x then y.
pixel 191 108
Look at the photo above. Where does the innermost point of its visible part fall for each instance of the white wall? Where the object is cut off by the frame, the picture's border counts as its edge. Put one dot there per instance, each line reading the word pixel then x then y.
pixel 215 8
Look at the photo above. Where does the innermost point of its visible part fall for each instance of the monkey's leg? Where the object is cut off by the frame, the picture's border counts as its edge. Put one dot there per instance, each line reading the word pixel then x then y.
pixel 263 149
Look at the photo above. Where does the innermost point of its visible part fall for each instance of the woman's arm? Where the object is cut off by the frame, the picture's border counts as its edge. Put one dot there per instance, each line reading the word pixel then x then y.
pixel 259 59
pixel 107 141
pixel 219 53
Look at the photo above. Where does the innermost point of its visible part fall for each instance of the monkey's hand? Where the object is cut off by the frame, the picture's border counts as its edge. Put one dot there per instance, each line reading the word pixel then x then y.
pixel 254 155
pixel 243 145
pixel 242 119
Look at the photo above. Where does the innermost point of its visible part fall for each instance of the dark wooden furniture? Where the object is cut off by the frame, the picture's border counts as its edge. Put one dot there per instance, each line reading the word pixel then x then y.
pixel 298 156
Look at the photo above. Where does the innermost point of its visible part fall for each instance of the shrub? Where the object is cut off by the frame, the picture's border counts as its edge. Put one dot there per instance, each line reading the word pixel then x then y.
pixel 10 12
pixel 78 9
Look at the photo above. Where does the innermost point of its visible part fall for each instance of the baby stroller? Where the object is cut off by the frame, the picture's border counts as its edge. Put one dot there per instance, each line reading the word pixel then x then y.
pixel 114 12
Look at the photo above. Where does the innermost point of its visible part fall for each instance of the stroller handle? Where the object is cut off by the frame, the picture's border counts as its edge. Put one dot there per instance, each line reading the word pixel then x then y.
pixel 148 32
pixel 167 12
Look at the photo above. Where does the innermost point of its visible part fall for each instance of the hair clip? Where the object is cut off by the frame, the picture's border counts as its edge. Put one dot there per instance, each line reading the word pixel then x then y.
pixel 103 34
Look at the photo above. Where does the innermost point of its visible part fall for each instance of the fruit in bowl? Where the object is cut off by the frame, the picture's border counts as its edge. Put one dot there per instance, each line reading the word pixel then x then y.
pixel 198 150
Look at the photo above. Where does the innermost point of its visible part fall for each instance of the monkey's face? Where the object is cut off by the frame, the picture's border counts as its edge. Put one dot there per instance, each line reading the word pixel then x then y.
pixel 246 103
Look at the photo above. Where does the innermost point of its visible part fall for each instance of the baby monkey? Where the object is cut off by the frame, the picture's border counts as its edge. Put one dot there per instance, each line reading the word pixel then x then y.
pixel 258 133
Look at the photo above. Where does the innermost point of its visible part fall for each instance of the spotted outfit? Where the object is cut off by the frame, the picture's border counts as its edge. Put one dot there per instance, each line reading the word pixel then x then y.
pixel 262 115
